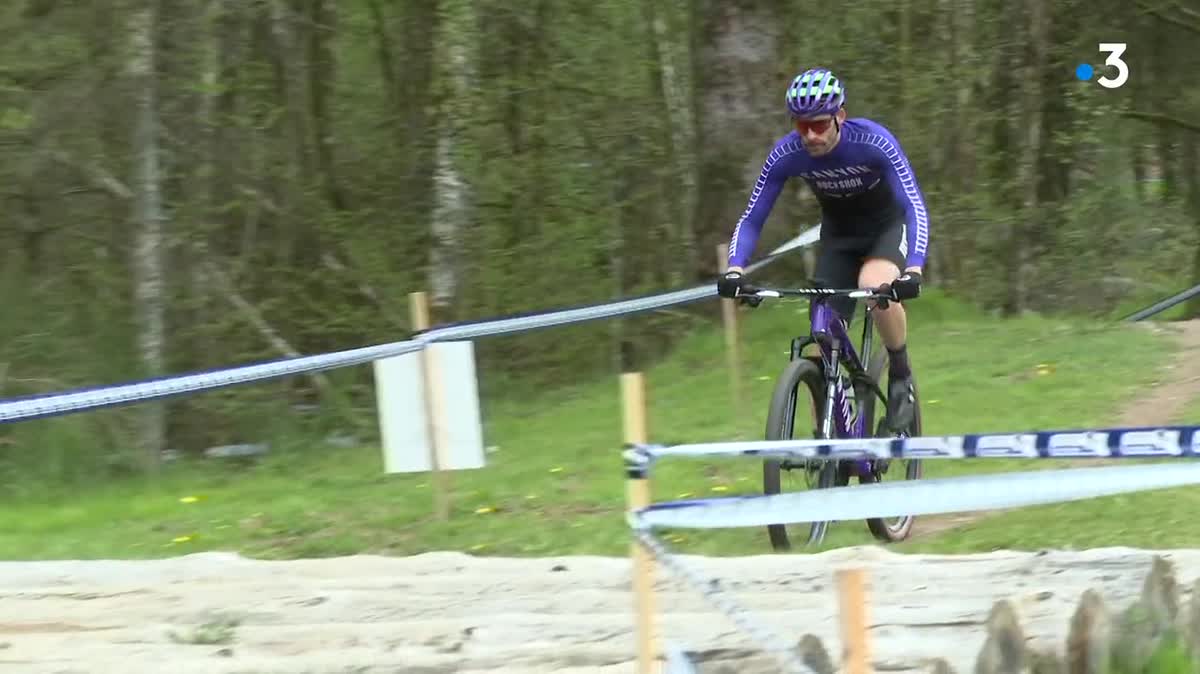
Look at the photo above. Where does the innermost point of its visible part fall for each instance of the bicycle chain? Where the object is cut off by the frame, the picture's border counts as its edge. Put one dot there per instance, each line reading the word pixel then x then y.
pixel 770 641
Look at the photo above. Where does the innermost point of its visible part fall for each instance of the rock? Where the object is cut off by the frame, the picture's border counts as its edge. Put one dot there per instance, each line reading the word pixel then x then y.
pixel 812 653
pixel 1004 650
pixel 1089 643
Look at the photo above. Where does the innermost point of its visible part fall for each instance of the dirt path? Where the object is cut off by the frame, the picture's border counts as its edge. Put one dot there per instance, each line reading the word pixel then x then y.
pixel 1179 386
pixel 1160 405
pixel 438 613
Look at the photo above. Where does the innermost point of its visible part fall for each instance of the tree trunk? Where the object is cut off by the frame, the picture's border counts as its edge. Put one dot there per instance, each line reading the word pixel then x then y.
pixel 735 67
pixel 679 180
pixel 450 216
pixel 148 214
pixel 322 75
pixel 1191 175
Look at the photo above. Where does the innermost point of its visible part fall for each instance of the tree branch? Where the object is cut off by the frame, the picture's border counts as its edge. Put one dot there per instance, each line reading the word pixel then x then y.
pixel 1159 13
pixel 100 176
pixel 1160 118
pixel 1190 13
pixel 225 286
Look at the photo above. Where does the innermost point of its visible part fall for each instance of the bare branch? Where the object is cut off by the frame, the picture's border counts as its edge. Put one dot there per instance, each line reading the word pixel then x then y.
pixel 1160 13
pixel 1160 118
pixel 255 318
pixel 102 177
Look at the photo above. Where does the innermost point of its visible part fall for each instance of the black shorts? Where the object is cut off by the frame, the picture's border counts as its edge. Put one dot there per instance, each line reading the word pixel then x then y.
pixel 839 259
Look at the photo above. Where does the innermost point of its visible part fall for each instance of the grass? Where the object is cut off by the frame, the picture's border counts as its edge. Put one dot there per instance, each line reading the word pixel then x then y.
pixel 554 483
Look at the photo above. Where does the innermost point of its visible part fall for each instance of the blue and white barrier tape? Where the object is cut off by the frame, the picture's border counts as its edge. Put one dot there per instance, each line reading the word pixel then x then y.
pixel 460 331
pixel 1146 442
pixel 62 403
pixel 915 497
pixel 525 323
pixel 78 400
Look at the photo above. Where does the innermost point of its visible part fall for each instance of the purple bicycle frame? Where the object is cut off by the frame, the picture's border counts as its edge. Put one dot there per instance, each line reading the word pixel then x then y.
pixel 830 332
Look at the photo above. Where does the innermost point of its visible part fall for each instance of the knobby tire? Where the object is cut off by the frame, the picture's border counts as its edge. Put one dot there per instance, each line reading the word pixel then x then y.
pixel 801 382
pixel 880 528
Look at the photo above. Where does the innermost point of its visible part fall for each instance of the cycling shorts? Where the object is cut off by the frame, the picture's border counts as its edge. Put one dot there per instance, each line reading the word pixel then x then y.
pixel 840 257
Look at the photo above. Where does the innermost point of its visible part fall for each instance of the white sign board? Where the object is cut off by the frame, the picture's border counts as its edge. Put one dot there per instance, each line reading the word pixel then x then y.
pixel 403 421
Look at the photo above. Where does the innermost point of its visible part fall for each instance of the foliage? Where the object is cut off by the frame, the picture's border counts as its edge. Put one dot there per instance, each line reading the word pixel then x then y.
pixel 320 160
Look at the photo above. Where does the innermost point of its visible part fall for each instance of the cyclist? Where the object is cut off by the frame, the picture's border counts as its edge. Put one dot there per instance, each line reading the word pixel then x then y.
pixel 874 226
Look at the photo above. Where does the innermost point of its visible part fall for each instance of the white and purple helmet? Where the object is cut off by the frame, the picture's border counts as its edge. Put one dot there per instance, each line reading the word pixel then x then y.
pixel 815 91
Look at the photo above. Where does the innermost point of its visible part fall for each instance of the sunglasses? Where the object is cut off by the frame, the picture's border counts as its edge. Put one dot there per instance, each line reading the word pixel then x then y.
pixel 805 126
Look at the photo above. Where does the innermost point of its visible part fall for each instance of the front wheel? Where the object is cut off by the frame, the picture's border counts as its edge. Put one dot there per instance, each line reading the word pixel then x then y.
pixel 898 529
pixel 800 387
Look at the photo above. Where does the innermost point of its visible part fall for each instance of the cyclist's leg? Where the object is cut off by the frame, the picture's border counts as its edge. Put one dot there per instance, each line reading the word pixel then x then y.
pixel 882 265
pixel 837 267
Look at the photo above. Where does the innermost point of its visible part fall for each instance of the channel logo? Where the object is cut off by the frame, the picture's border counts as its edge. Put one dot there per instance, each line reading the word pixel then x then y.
pixel 1084 71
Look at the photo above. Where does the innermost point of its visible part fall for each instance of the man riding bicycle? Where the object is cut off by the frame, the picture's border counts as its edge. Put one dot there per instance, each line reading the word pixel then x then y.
pixel 873 217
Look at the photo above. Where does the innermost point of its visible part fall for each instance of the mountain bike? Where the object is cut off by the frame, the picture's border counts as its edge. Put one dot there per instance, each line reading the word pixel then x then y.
pixel 842 387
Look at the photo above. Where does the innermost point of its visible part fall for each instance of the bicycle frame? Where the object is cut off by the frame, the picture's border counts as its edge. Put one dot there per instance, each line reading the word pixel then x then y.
pixel 830 333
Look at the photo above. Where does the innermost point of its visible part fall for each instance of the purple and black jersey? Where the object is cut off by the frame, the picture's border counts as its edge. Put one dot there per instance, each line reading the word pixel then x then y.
pixel 864 185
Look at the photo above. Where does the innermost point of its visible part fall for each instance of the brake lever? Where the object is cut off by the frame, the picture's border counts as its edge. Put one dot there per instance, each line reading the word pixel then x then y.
pixel 750 300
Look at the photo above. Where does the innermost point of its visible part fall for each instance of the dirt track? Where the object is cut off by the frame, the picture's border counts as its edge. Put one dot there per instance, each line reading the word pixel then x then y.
pixel 1160 405
pixel 447 612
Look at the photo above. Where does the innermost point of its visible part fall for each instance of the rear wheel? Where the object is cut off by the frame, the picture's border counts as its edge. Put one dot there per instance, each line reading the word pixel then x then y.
pixel 796 405
pixel 894 529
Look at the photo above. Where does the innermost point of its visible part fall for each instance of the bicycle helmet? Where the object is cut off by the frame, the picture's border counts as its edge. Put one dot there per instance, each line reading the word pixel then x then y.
pixel 816 91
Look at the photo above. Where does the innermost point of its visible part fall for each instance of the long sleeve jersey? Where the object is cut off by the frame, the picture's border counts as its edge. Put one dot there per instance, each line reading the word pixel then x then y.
pixel 865 184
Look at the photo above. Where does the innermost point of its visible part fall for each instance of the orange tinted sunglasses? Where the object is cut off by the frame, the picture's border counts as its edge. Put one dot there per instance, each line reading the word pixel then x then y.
pixel 814 125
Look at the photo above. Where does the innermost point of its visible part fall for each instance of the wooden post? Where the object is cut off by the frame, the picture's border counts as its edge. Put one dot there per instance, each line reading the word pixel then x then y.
pixel 852 600
pixel 434 411
pixel 637 496
pixel 733 343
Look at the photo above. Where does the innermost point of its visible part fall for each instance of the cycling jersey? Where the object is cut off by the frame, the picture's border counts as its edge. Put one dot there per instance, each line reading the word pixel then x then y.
pixel 864 185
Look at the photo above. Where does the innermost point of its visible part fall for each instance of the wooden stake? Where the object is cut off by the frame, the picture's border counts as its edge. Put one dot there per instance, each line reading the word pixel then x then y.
pixel 733 343
pixel 637 495
pixel 852 600
pixel 435 413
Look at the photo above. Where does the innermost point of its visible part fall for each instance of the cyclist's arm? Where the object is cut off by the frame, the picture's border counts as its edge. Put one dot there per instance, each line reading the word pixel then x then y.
pixel 749 226
pixel 903 181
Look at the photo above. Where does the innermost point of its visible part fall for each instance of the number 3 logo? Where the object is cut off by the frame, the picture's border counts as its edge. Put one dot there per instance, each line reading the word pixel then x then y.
pixel 1114 50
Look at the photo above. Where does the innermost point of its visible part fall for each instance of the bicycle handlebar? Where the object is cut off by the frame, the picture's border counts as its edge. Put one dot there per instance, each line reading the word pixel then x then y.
pixel 856 293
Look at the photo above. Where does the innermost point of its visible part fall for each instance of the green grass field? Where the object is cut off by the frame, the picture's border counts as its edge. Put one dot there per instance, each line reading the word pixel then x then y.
pixel 554 483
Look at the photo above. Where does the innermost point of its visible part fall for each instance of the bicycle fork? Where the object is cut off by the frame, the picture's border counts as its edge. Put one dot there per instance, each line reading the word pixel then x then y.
pixel 837 420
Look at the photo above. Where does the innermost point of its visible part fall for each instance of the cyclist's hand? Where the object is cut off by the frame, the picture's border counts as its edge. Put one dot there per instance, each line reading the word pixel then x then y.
pixel 907 286
pixel 730 283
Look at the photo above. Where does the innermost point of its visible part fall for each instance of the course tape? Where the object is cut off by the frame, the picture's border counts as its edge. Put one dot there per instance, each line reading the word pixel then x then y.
pixel 535 321
pixel 526 323
pixel 1144 442
pixel 62 403
pixel 78 400
pixel 915 497
pixel 1163 305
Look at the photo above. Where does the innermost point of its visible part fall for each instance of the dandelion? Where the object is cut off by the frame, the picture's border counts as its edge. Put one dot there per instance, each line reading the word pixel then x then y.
pixel 556 469
pixel 720 487
pixel 686 494
pixel 181 539
pixel 188 499
pixel 484 510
